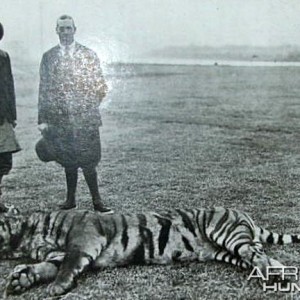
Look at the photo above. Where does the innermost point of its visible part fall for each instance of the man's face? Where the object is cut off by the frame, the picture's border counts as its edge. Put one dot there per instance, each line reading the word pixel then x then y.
pixel 65 30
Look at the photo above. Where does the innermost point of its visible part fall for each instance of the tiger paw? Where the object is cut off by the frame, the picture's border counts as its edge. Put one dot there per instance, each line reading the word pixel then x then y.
pixel 21 279
pixel 55 289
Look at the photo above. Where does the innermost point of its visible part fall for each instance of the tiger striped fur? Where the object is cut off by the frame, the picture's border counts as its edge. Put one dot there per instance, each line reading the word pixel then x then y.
pixel 63 244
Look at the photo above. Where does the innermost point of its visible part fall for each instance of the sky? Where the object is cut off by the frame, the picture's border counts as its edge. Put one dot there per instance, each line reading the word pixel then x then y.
pixel 122 29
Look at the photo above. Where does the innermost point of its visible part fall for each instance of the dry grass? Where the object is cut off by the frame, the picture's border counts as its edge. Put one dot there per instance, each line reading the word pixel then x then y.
pixel 179 136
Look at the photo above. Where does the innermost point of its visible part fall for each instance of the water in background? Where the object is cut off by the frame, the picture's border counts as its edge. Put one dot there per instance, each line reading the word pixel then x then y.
pixel 210 62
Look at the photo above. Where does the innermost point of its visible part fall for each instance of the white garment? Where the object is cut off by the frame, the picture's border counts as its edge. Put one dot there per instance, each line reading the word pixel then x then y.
pixel 8 140
pixel 67 50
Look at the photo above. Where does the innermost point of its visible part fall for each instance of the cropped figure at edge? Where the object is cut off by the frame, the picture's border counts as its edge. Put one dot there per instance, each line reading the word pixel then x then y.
pixel 8 117
pixel 70 92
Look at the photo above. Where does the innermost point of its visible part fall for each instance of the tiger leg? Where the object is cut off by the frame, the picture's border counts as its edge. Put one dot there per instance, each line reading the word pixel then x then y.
pixel 210 252
pixel 241 243
pixel 225 256
pixel 25 276
pixel 74 263
pixel 254 255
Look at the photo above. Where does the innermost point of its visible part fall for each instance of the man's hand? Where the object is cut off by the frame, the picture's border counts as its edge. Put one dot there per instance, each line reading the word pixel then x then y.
pixel 42 127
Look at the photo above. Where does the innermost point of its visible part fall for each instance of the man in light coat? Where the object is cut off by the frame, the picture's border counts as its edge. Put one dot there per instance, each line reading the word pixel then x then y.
pixel 70 92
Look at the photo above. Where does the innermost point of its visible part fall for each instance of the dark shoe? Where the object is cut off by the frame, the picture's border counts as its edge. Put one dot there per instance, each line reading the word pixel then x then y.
pixel 67 205
pixel 103 209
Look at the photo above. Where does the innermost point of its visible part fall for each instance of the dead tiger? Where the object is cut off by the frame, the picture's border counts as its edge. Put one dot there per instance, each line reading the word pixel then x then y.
pixel 63 244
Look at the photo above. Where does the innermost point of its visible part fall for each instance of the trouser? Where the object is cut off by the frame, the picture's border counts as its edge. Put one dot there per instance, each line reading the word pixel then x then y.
pixel 73 149
pixel 90 175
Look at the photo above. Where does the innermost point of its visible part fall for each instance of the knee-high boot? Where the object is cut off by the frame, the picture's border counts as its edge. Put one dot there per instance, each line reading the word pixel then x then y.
pixel 3 208
pixel 0 185
pixel 90 175
pixel 71 180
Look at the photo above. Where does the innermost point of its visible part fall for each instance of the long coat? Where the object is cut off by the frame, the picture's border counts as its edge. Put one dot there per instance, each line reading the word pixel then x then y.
pixel 70 92
pixel 8 112
pixel 71 89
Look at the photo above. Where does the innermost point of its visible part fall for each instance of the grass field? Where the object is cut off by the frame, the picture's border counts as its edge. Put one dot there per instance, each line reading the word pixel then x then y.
pixel 178 136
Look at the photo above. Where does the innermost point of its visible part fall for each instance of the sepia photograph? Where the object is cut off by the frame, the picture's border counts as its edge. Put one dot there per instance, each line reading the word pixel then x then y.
pixel 149 149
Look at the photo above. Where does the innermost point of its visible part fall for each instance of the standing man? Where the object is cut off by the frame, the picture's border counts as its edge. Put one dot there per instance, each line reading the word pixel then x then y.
pixel 8 117
pixel 70 92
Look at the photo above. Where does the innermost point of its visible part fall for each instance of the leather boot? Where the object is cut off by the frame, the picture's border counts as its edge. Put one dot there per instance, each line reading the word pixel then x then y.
pixel 90 175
